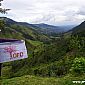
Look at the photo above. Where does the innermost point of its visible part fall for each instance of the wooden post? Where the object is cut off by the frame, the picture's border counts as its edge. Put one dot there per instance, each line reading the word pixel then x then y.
pixel 0 68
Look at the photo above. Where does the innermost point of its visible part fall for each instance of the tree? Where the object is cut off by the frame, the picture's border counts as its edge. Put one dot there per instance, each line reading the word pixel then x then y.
pixel 3 11
pixel 78 66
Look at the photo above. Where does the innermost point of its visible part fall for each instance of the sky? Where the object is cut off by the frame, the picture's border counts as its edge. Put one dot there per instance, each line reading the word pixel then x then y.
pixel 54 12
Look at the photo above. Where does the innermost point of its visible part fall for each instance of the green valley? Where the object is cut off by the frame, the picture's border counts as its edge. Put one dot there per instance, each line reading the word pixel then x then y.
pixel 51 61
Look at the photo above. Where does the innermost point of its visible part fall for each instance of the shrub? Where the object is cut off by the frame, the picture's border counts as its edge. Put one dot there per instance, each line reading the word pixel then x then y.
pixel 78 66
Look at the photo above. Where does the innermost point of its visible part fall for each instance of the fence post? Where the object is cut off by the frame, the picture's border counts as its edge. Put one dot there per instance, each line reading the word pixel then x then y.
pixel 0 68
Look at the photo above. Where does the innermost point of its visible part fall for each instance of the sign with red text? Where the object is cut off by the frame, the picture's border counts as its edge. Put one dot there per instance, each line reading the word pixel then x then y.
pixel 10 51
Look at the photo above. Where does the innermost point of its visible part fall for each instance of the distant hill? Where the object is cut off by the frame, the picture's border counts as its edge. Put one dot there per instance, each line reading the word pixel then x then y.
pixel 33 31
pixel 76 31
pixel 42 25
pixel 79 30
pixel 50 29
pixel 40 28
pixel 19 30
pixel 68 27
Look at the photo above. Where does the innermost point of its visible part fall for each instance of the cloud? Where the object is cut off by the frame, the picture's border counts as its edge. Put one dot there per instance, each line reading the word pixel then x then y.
pixel 46 11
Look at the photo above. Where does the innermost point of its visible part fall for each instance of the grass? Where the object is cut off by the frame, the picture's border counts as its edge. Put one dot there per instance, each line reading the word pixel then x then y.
pixel 35 43
pixel 35 80
pixel 29 80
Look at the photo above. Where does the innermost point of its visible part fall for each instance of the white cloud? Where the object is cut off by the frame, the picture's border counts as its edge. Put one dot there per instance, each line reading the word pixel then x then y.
pixel 46 11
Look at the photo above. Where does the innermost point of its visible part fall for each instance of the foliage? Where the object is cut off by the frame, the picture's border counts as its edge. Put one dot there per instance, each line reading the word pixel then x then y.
pixel 78 66
pixel 2 24
pixel 77 43
pixel 47 58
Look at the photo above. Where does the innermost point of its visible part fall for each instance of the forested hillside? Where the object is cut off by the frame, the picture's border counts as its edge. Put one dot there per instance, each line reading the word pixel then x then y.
pixel 12 29
pixel 62 58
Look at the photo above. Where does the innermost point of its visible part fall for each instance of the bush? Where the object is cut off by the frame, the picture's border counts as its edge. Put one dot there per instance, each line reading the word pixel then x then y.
pixel 78 66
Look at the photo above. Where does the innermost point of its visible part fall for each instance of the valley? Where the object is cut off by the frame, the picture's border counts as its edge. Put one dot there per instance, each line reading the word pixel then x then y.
pixel 54 58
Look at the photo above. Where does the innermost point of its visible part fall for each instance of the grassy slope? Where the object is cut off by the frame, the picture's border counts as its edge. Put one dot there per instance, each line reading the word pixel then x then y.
pixel 32 80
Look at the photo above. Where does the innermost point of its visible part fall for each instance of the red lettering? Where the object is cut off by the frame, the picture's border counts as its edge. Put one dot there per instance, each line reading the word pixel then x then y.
pixel 16 55
pixel 21 54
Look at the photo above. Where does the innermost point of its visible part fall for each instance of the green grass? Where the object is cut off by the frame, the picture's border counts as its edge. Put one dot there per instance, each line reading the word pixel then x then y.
pixel 30 80
pixel 35 80
pixel 35 43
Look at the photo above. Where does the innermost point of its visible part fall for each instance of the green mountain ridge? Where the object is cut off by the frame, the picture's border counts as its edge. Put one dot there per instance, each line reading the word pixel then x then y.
pixel 79 30
pixel 42 28
pixel 15 30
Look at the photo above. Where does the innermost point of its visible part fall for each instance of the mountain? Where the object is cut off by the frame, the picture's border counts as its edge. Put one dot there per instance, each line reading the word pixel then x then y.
pixel 79 30
pixel 67 27
pixel 42 25
pixel 40 28
pixel 51 30
pixel 9 21
pixel 24 29
pixel 48 29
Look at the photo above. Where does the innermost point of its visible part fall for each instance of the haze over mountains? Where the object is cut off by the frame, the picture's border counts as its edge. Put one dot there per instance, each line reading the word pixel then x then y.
pixel 54 29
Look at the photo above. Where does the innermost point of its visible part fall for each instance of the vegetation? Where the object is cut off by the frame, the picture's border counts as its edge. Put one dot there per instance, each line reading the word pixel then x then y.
pixel 32 80
pixel 51 61
pixel 78 66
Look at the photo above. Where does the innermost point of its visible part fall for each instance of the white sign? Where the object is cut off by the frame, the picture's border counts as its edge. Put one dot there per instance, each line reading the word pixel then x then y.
pixel 10 51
